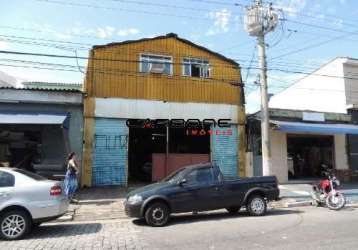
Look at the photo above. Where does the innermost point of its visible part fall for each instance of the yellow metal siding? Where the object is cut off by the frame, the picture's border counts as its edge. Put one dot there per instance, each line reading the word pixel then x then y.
pixel 86 176
pixel 242 151
pixel 116 73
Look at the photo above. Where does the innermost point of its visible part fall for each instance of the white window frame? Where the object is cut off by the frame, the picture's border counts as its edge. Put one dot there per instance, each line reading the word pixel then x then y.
pixel 159 61
pixel 191 60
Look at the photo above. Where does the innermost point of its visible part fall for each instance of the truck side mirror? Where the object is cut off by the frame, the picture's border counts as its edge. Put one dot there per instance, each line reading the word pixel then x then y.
pixel 181 182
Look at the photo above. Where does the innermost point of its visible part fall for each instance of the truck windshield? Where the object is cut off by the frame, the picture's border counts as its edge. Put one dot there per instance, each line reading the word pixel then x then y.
pixel 174 177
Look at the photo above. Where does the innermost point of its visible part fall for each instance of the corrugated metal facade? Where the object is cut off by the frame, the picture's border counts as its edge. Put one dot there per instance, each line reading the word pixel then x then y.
pixel 110 152
pixel 115 73
pixel 224 150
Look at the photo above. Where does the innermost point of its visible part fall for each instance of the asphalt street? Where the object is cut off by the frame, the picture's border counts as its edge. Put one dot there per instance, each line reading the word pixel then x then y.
pixel 290 228
pixel 299 228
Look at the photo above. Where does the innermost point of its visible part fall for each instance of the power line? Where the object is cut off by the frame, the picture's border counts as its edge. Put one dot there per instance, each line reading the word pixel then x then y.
pixel 73 68
pixel 100 70
pixel 161 5
pixel 52 45
pixel 309 47
pixel 321 27
pixel 218 3
pixel 51 32
pixel 123 9
pixel 137 61
pixel 93 58
pixel 87 48
pixel 299 65
pixel 321 16
pixel 45 40
pixel 98 59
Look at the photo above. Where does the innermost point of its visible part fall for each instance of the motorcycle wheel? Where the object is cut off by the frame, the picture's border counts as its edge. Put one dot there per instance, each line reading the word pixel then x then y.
pixel 335 202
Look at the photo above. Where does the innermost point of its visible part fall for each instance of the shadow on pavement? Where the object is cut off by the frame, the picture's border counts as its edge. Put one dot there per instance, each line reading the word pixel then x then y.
pixel 64 230
pixel 214 216
pixel 101 193
pixel 96 202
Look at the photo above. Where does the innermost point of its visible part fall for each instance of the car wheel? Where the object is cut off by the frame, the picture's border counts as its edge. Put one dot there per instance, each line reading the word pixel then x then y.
pixel 256 205
pixel 14 225
pixel 157 214
pixel 233 210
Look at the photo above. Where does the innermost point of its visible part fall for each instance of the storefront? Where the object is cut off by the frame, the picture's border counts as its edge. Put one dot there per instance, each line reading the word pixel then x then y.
pixel 141 149
pixel 301 147
pixel 171 79
pixel 39 127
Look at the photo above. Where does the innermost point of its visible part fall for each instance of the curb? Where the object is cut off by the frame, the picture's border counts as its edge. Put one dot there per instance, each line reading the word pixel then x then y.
pixel 299 204
pixel 306 203
pixel 65 218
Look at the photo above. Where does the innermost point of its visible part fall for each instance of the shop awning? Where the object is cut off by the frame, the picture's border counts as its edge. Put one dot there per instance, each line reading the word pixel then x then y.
pixel 35 118
pixel 315 128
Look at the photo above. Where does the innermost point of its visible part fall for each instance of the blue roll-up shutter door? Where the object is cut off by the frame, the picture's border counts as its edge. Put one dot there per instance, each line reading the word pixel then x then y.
pixel 110 152
pixel 224 150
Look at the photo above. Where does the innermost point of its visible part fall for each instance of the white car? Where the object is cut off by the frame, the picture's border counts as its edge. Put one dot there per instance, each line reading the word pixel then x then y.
pixel 26 200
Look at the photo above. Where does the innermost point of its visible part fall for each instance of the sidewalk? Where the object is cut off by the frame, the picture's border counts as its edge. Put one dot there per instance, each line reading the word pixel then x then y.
pixel 292 193
pixel 102 203
pixel 106 203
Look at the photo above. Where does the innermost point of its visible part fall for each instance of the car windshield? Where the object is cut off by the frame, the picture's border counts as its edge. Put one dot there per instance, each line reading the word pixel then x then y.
pixel 30 175
pixel 174 177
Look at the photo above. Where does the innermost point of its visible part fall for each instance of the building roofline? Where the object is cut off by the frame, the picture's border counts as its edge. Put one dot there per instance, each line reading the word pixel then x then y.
pixel 42 89
pixel 169 35
pixel 311 73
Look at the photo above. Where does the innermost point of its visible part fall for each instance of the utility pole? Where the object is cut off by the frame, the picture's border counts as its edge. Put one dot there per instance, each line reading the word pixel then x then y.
pixel 259 21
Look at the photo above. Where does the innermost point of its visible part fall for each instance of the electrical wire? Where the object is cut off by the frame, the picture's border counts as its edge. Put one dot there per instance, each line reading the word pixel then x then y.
pixel 137 61
pixel 123 9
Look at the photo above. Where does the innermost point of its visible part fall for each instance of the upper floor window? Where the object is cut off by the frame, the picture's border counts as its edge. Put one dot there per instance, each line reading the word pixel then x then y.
pixel 156 64
pixel 195 67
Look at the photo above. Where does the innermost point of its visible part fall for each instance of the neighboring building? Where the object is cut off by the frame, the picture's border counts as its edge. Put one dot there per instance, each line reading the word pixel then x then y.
pixel 9 81
pixel 313 123
pixel 40 124
pixel 301 141
pixel 164 77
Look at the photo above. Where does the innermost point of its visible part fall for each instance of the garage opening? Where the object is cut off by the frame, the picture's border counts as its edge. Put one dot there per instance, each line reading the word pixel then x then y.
pixel 32 147
pixel 307 154
pixel 143 142
pixel 156 152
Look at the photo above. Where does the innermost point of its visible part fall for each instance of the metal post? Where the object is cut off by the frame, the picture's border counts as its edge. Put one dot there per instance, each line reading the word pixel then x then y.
pixel 266 147
pixel 167 149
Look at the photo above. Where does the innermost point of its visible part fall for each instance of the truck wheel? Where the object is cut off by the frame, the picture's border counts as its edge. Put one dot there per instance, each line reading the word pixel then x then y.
pixel 256 205
pixel 157 214
pixel 36 225
pixel 233 210
pixel 14 225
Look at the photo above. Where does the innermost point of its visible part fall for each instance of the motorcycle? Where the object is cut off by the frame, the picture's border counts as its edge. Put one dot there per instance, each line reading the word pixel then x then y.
pixel 325 192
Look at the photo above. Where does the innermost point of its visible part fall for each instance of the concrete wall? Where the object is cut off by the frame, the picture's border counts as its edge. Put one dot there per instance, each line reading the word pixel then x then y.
pixel 279 155
pixel 142 109
pixel 320 85
pixel 340 152
pixel 350 68
pixel 249 166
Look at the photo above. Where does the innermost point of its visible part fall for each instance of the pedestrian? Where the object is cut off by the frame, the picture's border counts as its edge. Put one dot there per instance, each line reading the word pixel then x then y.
pixel 71 183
